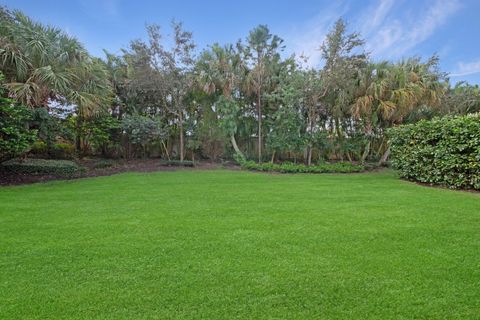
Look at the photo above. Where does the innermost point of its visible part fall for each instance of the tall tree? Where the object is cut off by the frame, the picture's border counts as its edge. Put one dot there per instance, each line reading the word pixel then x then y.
pixel 175 66
pixel 343 57
pixel 160 77
pixel 220 70
pixel 262 53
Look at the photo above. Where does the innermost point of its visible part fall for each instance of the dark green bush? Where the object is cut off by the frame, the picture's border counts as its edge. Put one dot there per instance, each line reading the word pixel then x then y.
pixel 15 135
pixel 64 168
pixel 62 151
pixel 184 163
pixel 287 167
pixel 104 163
pixel 442 151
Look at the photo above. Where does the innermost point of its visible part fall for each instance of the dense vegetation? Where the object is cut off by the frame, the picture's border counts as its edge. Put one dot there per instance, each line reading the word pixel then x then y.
pixel 177 102
pixel 64 168
pixel 245 246
pixel 442 151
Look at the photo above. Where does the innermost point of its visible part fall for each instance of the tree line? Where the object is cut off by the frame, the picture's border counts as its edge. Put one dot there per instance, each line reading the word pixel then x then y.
pixel 177 102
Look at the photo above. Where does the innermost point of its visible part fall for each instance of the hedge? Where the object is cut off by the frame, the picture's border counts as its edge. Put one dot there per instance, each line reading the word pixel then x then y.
pixel 177 163
pixel 288 167
pixel 443 151
pixel 64 168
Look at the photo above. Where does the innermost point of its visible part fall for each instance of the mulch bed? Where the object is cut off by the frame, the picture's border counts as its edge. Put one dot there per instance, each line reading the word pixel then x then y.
pixel 118 166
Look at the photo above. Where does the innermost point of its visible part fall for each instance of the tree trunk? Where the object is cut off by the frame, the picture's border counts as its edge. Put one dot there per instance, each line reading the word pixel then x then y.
pixel 180 128
pixel 385 156
pixel 78 141
pixel 366 152
pixel 235 146
pixel 166 150
pixel 349 157
pixel 309 161
pixel 259 106
pixel 273 157
pixel 368 133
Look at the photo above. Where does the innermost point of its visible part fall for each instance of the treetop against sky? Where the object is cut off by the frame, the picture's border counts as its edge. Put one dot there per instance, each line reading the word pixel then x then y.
pixel 392 29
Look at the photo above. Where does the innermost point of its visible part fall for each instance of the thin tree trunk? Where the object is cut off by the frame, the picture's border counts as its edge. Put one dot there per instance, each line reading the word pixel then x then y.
pixel 78 141
pixel 235 146
pixel 166 150
pixel 366 152
pixel 180 127
pixel 273 157
pixel 349 157
pixel 310 147
pixel 259 106
pixel 368 133
pixel 385 156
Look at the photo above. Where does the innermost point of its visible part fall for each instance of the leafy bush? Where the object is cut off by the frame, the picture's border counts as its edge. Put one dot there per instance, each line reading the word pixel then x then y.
pixel 288 167
pixel 442 151
pixel 39 147
pixel 15 136
pixel 184 163
pixel 64 168
pixel 62 151
pixel 104 163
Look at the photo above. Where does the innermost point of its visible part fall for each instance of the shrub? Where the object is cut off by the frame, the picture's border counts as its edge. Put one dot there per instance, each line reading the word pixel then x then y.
pixel 444 151
pixel 104 163
pixel 287 167
pixel 39 147
pixel 64 168
pixel 15 136
pixel 62 151
pixel 178 163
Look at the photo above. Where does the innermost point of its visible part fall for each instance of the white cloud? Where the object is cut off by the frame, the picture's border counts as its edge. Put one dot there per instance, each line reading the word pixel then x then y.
pixel 396 36
pixel 391 28
pixel 307 38
pixel 465 69
pixel 374 16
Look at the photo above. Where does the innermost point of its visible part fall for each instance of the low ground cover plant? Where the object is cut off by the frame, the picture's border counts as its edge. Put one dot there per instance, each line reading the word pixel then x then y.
pixel 64 168
pixel 289 167
pixel 177 163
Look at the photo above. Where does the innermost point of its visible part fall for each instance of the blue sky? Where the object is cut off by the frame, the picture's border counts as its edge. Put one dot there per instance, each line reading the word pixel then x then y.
pixel 392 29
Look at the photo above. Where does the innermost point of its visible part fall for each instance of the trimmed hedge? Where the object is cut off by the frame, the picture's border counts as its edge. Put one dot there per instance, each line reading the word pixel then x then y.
pixel 177 163
pixel 64 168
pixel 287 167
pixel 444 151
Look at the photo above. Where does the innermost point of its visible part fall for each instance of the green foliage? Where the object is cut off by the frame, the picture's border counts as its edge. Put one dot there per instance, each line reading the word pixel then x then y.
pixel 42 63
pixel 100 131
pixel 103 163
pixel 177 163
pixel 287 123
pixel 64 168
pixel 15 136
pixel 288 167
pixel 62 151
pixel 443 151
pixel 142 130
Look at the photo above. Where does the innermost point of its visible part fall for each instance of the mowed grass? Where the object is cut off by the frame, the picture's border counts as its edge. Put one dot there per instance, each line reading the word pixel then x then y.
pixel 238 245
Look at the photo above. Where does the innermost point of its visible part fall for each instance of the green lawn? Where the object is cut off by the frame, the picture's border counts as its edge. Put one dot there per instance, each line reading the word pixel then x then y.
pixel 231 244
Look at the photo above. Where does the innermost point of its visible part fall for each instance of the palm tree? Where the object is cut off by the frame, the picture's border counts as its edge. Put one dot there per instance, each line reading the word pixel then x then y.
pixel 220 70
pixel 42 64
pixel 388 93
